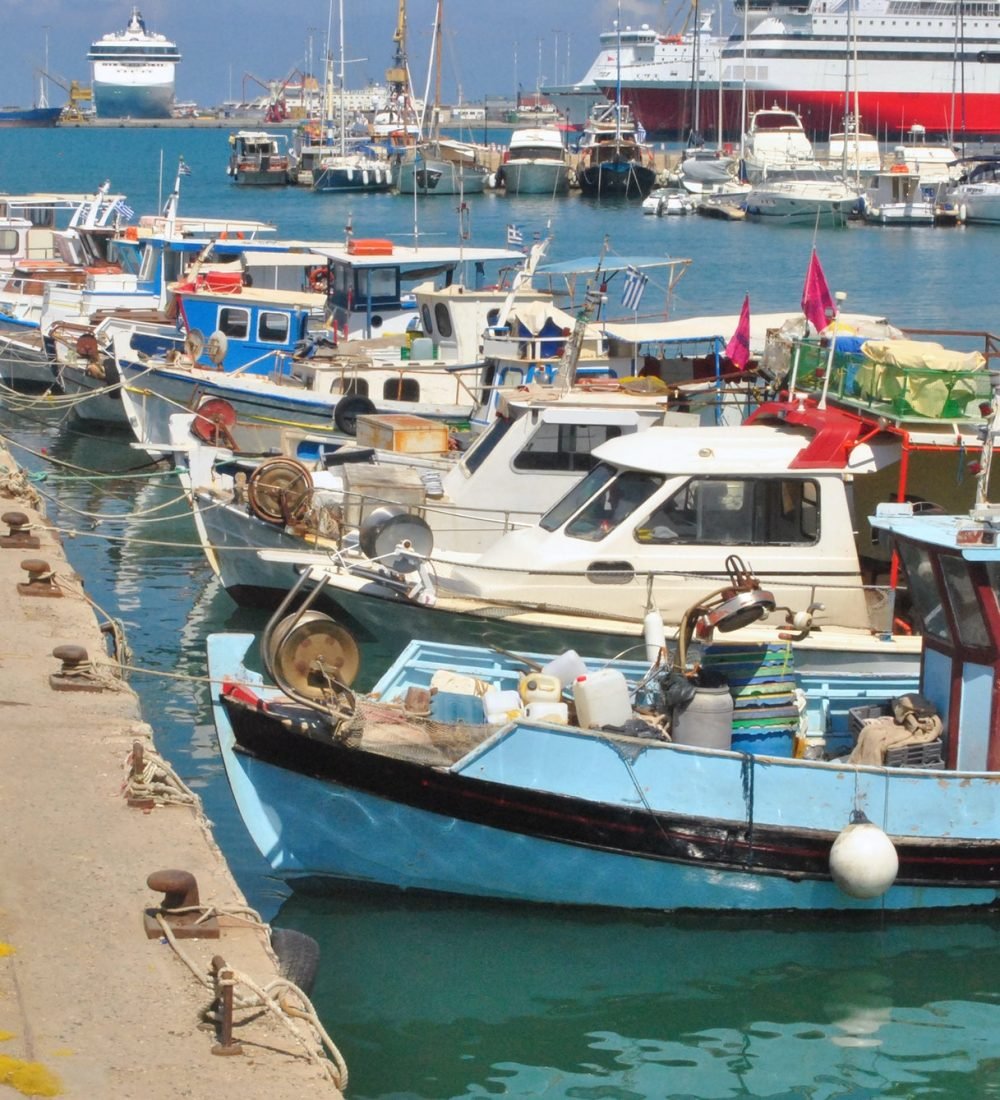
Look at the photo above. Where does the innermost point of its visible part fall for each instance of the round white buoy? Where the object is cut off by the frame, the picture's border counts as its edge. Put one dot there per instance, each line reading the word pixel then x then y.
pixel 364 176
pixel 863 860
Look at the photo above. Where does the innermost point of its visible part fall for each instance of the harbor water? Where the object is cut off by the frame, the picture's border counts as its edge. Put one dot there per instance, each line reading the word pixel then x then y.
pixel 435 998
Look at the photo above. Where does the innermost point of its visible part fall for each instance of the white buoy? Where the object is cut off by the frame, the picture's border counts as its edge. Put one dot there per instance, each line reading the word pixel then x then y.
pixel 653 634
pixel 863 860
pixel 364 176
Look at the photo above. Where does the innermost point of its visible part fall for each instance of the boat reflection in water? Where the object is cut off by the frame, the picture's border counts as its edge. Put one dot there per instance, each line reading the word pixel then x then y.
pixel 515 1002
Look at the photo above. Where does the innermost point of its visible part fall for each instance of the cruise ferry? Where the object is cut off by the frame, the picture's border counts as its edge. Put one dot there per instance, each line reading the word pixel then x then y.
pixel 931 63
pixel 667 80
pixel 133 72
pixel 895 64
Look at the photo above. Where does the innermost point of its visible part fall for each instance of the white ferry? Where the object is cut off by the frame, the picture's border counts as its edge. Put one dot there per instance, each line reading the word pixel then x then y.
pixel 134 72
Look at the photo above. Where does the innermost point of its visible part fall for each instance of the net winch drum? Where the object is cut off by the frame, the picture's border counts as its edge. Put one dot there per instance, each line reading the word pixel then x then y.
pixel 396 538
pixel 305 649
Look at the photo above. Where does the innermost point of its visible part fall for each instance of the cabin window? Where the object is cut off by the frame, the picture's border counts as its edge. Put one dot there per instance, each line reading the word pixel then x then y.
pixel 272 328
pixel 234 322
pixel 8 240
pixel 564 447
pixel 736 511
pixel 425 314
pixel 965 609
pixel 487 442
pixel 341 287
pixel 614 504
pixel 379 284
pixel 574 500
pixel 442 319
pixel 353 385
pixel 924 592
pixel 401 389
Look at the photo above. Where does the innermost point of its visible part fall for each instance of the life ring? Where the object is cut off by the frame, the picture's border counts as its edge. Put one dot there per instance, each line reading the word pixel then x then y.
pixel 901 626
pixel 899 168
pixel 319 280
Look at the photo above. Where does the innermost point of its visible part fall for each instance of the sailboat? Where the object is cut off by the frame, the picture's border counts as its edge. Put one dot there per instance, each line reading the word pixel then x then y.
pixel 441 166
pixel 613 158
pixel 357 167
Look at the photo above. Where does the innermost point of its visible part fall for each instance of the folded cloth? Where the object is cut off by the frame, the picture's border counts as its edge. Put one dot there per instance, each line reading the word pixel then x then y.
pixel 879 734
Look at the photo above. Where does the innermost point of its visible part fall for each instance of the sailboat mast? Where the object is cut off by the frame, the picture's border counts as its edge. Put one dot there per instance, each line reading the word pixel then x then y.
pixel 696 72
pixel 342 123
pixel 618 77
pixel 437 68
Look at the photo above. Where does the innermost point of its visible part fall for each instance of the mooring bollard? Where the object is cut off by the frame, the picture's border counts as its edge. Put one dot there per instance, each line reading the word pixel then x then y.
pixel 18 536
pixel 224 978
pixel 181 893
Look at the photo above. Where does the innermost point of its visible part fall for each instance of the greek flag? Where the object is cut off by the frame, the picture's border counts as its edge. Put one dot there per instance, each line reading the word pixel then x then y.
pixel 514 235
pixel 640 133
pixel 183 169
pixel 634 285
pixel 122 208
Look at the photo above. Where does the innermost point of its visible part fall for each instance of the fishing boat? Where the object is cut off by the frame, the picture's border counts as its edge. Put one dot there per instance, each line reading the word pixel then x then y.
pixel 437 165
pixel 133 72
pixel 655 784
pixel 659 508
pixel 613 160
pixel 258 159
pixel 897 196
pixel 536 163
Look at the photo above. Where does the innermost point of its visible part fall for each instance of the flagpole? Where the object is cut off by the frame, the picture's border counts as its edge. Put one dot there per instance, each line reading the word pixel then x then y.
pixel 841 297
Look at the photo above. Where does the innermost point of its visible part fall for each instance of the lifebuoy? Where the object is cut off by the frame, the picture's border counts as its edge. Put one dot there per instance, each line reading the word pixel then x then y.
pixel 348 409
pixel 319 279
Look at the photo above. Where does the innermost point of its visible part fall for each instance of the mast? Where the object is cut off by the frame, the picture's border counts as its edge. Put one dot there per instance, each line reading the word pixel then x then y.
pixel 437 69
pixel 618 78
pixel 342 122
pixel 696 76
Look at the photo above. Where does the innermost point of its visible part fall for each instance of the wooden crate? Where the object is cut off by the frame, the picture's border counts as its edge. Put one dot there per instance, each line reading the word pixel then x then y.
pixel 402 433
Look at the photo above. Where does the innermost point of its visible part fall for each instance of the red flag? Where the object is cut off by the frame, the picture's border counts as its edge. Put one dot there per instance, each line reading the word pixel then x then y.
pixel 738 348
pixel 817 301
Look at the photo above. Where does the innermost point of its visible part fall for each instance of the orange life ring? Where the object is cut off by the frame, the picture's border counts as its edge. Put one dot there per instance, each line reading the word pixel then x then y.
pixel 319 280
pixel 899 168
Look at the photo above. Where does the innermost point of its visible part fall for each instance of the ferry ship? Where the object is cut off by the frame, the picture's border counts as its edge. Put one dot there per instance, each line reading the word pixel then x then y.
pixel 893 63
pixel 663 78
pixel 932 63
pixel 133 72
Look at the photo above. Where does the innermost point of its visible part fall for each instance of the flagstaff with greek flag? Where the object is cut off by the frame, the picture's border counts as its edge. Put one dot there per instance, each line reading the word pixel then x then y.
pixel 123 210
pixel 633 287
pixel 514 235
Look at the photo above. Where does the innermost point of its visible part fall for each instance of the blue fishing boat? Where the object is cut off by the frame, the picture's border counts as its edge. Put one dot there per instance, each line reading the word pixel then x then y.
pixel 876 798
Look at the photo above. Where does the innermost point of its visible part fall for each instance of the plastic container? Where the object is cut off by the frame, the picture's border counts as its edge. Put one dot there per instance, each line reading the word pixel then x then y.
pixel 566 667
pixel 537 687
pixel 501 706
pixel 544 711
pixel 422 348
pixel 602 699
pixel 707 721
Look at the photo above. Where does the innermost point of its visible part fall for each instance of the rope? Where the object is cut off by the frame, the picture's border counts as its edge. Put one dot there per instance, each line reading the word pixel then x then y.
pixel 273 997
pixel 157 782
pixel 16 485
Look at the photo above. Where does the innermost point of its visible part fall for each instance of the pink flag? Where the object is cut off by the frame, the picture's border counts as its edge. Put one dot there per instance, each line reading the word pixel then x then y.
pixel 817 301
pixel 738 348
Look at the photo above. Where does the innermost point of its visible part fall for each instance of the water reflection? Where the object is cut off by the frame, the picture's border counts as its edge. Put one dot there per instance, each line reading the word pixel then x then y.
pixel 521 1002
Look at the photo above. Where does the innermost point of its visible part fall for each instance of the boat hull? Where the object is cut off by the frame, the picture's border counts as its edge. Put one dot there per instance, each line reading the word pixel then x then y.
pixel 133 100
pixel 536 178
pixel 435 176
pixel 616 177
pixel 30 116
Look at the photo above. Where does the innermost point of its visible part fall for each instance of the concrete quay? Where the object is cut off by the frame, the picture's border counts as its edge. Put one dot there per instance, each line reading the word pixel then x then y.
pixel 90 1004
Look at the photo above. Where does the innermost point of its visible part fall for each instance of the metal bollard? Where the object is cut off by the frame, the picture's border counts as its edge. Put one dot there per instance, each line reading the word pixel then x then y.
pixel 226 1044
pixel 18 536
pixel 41 581
pixel 181 892
pixel 76 672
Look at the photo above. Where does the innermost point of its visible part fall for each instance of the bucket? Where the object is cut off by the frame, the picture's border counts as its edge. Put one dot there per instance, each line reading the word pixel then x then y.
pixel 602 699
pixel 536 687
pixel 707 721
pixel 566 667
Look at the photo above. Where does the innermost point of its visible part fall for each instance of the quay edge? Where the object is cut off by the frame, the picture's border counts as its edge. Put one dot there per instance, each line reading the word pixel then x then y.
pixel 84 993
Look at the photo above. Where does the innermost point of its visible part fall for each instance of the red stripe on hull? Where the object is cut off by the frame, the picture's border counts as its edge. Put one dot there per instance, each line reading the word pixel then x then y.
pixel 889 115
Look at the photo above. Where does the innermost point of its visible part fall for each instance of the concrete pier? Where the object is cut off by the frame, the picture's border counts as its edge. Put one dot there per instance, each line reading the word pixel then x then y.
pixel 90 1004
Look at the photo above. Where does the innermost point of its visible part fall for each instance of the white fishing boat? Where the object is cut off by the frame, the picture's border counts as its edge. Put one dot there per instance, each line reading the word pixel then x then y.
pixel 898 196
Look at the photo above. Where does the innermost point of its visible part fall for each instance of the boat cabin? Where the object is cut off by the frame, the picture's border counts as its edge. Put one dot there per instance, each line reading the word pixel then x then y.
pixel 952 568
pixel 370 281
